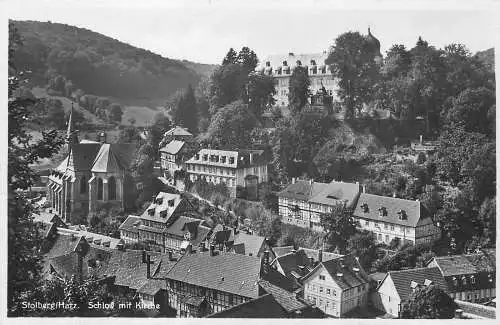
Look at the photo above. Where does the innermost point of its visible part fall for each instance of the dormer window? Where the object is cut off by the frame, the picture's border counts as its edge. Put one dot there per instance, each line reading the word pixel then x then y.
pixel 299 63
pixel 159 200
pixel 365 207
pixel 382 212
pixel 231 160
pixel 473 279
pixel 151 211
pixel 223 159
pixel 285 64
pixel 455 281
pixel 278 71
pixel 464 280
pixel 313 62
pixel 268 64
pixel 402 215
pixel 197 156
pixel 171 203
pixel 205 157
pixel 163 214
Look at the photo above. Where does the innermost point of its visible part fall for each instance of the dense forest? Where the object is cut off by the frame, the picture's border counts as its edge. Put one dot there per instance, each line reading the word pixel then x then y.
pixel 99 65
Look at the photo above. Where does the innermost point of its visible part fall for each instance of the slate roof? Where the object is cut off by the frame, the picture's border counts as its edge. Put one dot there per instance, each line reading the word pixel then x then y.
pixel 113 157
pixel 252 243
pixel 181 226
pixel 276 60
pixel 45 228
pixel 294 262
pixel 241 158
pixel 264 306
pixel 228 272
pixel 349 278
pixel 45 217
pixel 91 237
pixel 287 300
pixel 128 269
pixel 413 209
pixel 402 280
pixel 484 261
pixel 158 280
pixel 83 155
pixel 173 147
pixel 128 224
pixel 221 234
pixel 178 130
pixel 322 193
pixel 164 206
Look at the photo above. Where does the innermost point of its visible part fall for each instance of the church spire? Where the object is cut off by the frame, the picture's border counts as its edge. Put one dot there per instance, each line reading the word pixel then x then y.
pixel 71 133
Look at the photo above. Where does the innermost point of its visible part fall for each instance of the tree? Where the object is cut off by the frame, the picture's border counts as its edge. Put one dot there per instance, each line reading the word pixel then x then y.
pixel 248 59
pixel 24 239
pixel 275 231
pixel 55 113
pixel 429 302
pixel 231 57
pixel 298 89
pixel 115 113
pixel 227 84
pixel 352 61
pixel 186 113
pixel 362 244
pixel 339 227
pixel 260 93
pixel 231 127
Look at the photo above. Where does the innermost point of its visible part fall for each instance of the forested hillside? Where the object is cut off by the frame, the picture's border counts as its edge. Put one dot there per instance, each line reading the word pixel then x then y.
pixel 64 56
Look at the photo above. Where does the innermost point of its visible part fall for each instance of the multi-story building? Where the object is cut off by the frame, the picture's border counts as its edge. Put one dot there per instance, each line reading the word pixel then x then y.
pixel 207 282
pixel 169 223
pixel 391 218
pixel 281 67
pixel 304 201
pixel 397 286
pixel 470 277
pixel 242 168
pixel 337 286
pixel 172 157
pixel 176 133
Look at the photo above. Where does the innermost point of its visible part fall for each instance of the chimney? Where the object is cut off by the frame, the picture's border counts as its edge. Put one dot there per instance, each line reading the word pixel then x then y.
pixel 320 255
pixel 251 158
pixel 120 246
pixel 293 180
pixel 364 188
pixel 148 266
pixel 189 249
pixel 102 137
pixel 144 256
pixel 311 181
pixel 266 261
pixel 202 247
pixel 311 261
pixel 290 54
pixel 170 257
pixel 421 139
pixel 459 313
pixel 212 250
pixel 394 194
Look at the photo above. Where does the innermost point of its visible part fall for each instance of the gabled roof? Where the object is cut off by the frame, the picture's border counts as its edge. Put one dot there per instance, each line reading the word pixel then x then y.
pixel 413 209
pixel 342 271
pixel 294 262
pixel 300 190
pixel 158 281
pixel 131 224
pixel 228 272
pixel 82 155
pixel 221 234
pixel 163 211
pixel 178 130
pixel 402 280
pixel 252 243
pixel 314 253
pixel 173 147
pixel 483 261
pixel 184 224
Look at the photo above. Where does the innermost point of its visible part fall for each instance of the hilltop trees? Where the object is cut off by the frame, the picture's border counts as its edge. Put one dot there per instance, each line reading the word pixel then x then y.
pixel 186 112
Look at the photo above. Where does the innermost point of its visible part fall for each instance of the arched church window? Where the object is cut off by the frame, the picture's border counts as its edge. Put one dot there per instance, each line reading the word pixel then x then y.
pixel 112 188
pixel 83 185
pixel 99 189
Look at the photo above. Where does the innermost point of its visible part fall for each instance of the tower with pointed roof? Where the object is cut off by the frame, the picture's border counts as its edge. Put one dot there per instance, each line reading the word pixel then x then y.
pixel 374 44
pixel 71 133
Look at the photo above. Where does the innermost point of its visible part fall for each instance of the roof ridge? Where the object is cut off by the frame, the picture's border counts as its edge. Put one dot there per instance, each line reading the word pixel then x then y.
pixel 414 269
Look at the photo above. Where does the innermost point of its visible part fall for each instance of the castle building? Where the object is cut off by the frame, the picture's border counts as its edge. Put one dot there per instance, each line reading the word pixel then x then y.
pixel 245 168
pixel 281 67
pixel 92 174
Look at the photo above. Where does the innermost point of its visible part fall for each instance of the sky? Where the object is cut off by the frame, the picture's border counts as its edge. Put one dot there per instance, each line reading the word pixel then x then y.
pixel 204 30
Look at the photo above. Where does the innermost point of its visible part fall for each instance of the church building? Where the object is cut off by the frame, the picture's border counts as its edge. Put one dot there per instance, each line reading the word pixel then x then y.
pixel 92 174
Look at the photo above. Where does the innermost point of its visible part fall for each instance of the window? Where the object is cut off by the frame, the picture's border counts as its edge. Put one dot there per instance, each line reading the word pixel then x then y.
pixel 83 185
pixel 334 293
pixel 322 277
pixel 380 237
pixel 386 226
pixel 328 292
pixel 392 227
pixel 231 160
pixel 320 289
pixel 99 188
pixel 327 304
pixel 321 302
pixel 376 224
pixel 367 223
pixel 387 238
pixel 112 188
pixel 473 279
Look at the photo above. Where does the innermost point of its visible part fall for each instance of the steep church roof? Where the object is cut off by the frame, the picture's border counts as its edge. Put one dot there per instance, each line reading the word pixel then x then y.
pixel 112 158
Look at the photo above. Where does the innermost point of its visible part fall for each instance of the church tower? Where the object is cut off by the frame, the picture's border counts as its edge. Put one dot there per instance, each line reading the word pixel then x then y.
pixel 71 133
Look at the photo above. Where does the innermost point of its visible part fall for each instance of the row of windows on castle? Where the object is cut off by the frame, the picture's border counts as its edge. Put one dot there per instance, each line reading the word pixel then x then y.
pixel 100 188
pixel 286 69
pixel 210 169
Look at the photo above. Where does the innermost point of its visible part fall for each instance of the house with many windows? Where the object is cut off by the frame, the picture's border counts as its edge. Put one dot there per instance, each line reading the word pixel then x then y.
pixel 470 277
pixel 242 168
pixel 304 201
pixel 391 218
pixel 397 286
pixel 337 286
pixel 169 223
